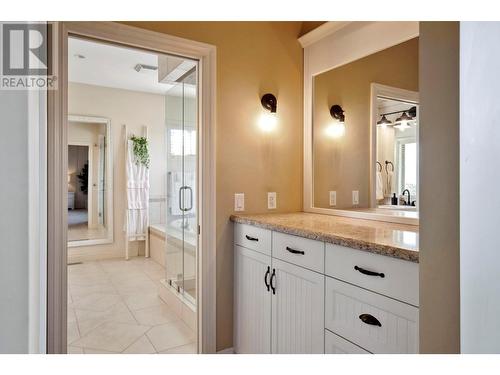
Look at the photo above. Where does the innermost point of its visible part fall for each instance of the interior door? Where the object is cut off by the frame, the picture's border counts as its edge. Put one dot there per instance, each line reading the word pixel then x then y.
pixel 297 309
pixel 252 302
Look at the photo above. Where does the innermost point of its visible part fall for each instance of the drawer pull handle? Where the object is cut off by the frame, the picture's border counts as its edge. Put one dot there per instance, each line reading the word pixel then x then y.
pixel 369 273
pixel 265 278
pixel 251 238
pixel 273 276
pixel 370 319
pixel 293 251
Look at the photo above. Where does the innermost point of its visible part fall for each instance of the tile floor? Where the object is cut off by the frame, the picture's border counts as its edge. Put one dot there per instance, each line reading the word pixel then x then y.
pixel 113 307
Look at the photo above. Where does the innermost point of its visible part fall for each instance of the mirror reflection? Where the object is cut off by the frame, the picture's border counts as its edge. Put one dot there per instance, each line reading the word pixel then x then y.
pixel 397 154
pixel 88 217
pixel 364 133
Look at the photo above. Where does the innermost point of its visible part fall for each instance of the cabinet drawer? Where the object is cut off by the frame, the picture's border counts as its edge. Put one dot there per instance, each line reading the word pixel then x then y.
pixel 400 277
pixel 376 323
pixel 252 237
pixel 300 251
pixel 337 345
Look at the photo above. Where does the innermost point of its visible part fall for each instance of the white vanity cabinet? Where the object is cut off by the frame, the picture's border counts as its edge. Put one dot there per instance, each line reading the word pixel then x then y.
pixel 297 295
pixel 252 301
pixel 297 309
pixel 278 306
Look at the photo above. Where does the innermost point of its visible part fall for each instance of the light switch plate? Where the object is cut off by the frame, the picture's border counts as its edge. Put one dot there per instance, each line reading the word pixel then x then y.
pixel 355 197
pixel 333 198
pixel 271 200
pixel 239 202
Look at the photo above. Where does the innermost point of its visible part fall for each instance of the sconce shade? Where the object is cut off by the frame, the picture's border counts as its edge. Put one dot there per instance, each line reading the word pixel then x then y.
pixel 404 117
pixel 337 113
pixel 269 102
pixel 384 121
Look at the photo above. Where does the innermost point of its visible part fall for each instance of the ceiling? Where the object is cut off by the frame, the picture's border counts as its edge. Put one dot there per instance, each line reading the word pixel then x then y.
pixel 113 66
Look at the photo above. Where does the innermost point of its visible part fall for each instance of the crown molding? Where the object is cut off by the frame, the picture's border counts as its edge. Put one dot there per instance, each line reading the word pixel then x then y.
pixel 320 32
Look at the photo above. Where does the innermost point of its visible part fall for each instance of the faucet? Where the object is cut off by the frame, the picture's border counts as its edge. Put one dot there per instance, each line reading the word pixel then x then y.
pixel 408 203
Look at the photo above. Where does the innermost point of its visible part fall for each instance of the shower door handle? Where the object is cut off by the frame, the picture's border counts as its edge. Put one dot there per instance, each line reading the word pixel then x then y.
pixel 181 198
pixel 190 198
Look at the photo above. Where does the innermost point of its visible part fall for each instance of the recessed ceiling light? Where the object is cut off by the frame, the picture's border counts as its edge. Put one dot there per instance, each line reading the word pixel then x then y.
pixel 78 56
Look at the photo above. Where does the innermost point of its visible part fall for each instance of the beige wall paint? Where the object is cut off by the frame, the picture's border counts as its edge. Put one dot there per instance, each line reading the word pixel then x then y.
pixel 253 58
pixel 343 164
pixel 439 188
pixel 134 109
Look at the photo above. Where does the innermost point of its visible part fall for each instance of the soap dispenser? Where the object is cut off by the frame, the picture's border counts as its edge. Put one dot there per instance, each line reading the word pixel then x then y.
pixel 394 199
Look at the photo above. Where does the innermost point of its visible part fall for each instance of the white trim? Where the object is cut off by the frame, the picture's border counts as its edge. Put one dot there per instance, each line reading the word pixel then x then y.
pixel 206 55
pixel 321 31
pixel 349 43
pixel 37 220
pixel 109 179
pixel 377 90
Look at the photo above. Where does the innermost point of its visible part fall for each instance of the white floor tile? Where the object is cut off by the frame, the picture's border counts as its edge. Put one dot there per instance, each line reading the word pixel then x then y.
pixel 114 307
pixel 97 301
pixel 170 335
pixel 73 333
pixel 74 350
pixel 155 315
pixel 141 346
pixel 184 349
pixel 142 300
pixel 111 336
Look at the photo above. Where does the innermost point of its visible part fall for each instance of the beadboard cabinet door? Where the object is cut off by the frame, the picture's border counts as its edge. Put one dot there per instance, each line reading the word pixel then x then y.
pixel 252 302
pixel 297 309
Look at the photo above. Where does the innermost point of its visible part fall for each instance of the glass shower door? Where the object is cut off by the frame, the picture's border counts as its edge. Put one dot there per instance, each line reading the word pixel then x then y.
pixel 182 220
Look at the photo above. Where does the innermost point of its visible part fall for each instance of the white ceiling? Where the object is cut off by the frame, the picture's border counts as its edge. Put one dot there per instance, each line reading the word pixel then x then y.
pixel 113 66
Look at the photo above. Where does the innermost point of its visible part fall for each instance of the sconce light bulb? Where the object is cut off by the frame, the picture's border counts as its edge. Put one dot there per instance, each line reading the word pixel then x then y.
pixel 268 121
pixel 336 129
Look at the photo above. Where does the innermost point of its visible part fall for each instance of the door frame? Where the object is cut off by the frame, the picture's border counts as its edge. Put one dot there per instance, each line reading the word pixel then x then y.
pixel 57 169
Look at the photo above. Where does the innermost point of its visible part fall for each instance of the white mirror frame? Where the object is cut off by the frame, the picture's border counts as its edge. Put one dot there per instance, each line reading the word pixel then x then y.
pixel 109 180
pixel 332 45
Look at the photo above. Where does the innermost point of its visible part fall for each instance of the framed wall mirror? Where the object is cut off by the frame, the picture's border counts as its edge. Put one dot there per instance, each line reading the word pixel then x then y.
pixel 361 139
pixel 90 181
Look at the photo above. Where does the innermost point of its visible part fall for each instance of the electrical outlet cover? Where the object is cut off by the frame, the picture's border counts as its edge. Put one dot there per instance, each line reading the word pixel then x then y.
pixel 333 198
pixel 271 200
pixel 239 202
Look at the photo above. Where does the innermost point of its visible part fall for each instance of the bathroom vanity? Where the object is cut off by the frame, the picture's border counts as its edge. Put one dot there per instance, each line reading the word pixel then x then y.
pixel 313 283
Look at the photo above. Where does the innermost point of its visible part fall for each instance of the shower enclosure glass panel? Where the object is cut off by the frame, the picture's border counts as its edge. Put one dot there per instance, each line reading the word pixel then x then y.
pixel 182 221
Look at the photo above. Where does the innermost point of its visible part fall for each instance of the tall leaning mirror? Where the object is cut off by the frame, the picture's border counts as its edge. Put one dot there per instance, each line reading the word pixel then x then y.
pixel 365 134
pixel 90 203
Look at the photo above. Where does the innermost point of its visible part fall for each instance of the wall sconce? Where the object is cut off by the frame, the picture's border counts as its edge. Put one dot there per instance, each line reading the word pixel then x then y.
pixel 403 120
pixel 268 119
pixel 337 128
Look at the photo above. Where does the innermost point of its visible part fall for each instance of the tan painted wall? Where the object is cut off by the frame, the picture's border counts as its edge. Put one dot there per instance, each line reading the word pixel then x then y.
pixel 439 188
pixel 252 58
pixel 134 109
pixel 343 164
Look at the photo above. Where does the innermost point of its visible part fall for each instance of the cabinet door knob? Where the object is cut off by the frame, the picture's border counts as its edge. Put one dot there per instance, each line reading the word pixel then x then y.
pixel 249 238
pixel 370 319
pixel 369 273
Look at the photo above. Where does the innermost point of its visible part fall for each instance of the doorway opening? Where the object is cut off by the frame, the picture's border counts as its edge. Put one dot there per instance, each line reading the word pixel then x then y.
pixel 144 157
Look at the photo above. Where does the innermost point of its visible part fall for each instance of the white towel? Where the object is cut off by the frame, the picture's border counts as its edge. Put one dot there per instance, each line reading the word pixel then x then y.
pixel 137 196
pixel 380 186
pixel 388 185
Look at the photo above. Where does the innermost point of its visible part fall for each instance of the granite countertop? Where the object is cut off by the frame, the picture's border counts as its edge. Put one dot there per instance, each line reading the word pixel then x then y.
pixel 390 239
